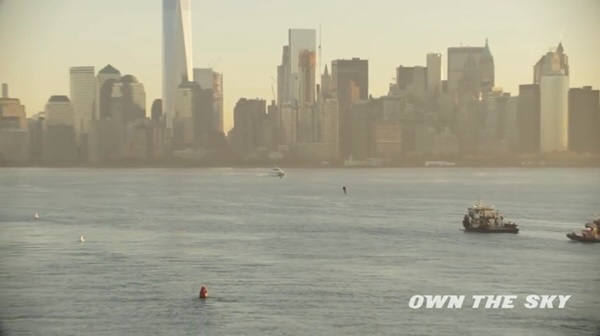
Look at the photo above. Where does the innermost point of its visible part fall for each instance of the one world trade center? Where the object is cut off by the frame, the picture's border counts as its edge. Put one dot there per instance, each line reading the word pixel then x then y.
pixel 177 52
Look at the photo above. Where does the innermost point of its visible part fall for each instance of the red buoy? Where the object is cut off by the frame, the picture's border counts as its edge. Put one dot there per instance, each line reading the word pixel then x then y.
pixel 203 292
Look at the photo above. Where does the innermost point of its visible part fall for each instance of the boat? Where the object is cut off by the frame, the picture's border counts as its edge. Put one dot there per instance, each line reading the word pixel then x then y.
pixel 36 215
pixel 82 239
pixel 486 219
pixel 278 172
pixel 591 233
pixel 439 164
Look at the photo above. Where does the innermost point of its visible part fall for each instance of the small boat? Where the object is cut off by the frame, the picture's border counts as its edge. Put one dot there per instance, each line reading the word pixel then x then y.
pixel 81 239
pixel 486 219
pixel 278 172
pixel 36 215
pixel 439 164
pixel 591 233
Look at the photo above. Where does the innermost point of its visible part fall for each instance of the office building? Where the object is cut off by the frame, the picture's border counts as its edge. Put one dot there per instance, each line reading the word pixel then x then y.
pixel 250 131
pixel 59 146
pixel 104 83
pixel 551 72
pixel 528 118
pixel 554 116
pixel 412 81
pixel 553 62
pixel 470 70
pixel 584 120
pixel 350 83
pixel 83 96
pixel 211 80
pixel 434 73
pixel 128 100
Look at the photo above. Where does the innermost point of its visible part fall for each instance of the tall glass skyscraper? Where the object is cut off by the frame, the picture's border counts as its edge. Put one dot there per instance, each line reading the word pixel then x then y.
pixel 83 96
pixel 177 52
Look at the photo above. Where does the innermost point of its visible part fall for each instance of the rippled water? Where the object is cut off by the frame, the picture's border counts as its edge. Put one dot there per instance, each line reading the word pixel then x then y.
pixel 291 256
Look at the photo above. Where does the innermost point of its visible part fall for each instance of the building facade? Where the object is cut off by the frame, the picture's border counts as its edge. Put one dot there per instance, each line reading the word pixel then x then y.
pixel 554 116
pixel 584 120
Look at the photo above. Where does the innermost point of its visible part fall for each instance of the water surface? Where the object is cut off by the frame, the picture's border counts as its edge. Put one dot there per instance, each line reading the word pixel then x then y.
pixel 291 256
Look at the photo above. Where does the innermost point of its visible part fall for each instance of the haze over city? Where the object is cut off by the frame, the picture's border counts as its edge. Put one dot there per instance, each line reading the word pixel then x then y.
pixel 301 167
pixel 242 40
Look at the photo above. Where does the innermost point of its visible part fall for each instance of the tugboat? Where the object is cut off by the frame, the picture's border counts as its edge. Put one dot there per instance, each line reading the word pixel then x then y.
pixel 591 233
pixel 482 218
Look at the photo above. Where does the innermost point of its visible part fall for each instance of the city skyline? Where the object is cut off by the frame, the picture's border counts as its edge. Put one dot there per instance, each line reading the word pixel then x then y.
pixel 249 64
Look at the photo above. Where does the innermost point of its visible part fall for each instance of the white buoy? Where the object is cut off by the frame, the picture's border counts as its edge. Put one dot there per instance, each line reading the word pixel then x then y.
pixel 81 238
pixel 36 215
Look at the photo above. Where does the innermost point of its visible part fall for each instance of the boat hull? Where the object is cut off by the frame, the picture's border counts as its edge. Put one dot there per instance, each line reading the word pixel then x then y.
pixel 495 230
pixel 577 237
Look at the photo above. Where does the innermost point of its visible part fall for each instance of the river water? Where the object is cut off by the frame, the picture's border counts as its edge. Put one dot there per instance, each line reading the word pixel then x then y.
pixel 291 256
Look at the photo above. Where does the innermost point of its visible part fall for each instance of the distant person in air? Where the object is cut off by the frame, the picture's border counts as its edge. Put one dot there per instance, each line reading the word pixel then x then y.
pixel 203 293
pixel 345 190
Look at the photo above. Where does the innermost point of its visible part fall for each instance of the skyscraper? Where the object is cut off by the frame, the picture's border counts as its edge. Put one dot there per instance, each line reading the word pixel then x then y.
pixel 434 73
pixel 349 85
pixel 59 134
pixel 59 111
pixel 584 120
pixel 412 80
pixel 211 80
pixel 14 131
pixel 292 73
pixel 104 83
pixel 248 131
pixel 470 70
pixel 83 96
pixel 12 113
pixel 302 43
pixel 177 52
pixel 554 117
pixel 528 116
pixel 552 74
pixel 283 74
pixel 555 61
pixel 128 100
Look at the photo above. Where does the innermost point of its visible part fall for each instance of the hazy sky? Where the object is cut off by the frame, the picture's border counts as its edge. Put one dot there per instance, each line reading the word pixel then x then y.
pixel 41 39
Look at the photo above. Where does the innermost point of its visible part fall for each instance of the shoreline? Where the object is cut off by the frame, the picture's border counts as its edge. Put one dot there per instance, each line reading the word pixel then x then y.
pixel 294 166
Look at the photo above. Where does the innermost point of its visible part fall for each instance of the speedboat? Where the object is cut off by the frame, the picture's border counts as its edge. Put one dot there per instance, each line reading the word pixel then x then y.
pixel 36 215
pixel 278 172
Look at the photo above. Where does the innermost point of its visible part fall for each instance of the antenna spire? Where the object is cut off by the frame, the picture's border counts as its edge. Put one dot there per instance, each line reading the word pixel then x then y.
pixel 320 35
